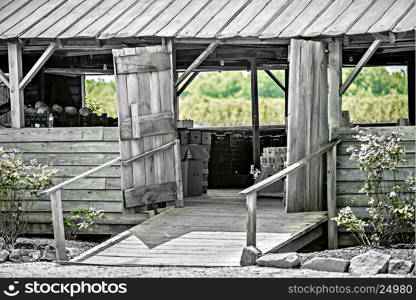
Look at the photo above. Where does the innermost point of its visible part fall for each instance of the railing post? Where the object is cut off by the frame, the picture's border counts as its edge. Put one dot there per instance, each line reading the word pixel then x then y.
pixel 58 225
pixel 332 199
pixel 251 202
pixel 178 174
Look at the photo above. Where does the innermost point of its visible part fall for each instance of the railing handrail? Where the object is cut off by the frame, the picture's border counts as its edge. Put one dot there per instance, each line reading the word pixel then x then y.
pixel 103 166
pixel 272 179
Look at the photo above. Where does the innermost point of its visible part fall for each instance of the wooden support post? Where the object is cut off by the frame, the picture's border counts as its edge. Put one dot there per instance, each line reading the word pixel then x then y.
pixel 38 65
pixel 187 83
pixel 363 61
pixel 334 85
pixel 178 174
pixel 58 225
pixel 286 92
pixel 174 75
pixel 16 94
pixel 82 79
pixel 275 79
pixel 198 61
pixel 411 91
pixel 255 115
pixel 332 198
pixel 4 79
pixel 251 203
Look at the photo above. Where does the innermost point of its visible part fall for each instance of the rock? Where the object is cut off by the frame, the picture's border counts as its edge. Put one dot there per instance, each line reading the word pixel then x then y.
pixel 73 252
pixel 48 255
pixel 24 243
pixel 327 264
pixel 249 256
pixel 85 111
pixel 57 108
pixel 369 263
pixel 70 110
pixel 400 267
pixel 24 255
pixel 4 256
pixel 279 260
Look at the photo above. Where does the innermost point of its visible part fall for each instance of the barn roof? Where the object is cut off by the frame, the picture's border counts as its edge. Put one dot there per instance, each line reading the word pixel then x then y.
pixel 264 19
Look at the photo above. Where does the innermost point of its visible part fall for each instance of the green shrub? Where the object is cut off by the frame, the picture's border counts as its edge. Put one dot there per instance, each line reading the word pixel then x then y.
pixel 392 206
pixel 82 219
pixel 19 188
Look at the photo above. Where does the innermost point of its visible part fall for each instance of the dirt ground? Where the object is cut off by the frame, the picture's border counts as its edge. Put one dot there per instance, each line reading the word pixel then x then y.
pixel 52 270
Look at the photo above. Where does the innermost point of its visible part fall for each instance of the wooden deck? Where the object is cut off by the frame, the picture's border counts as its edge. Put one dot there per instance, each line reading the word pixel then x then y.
pixel 208 231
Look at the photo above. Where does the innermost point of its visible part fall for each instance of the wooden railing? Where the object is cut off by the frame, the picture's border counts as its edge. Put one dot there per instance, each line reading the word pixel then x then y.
pixel 56 201
pixel 251 192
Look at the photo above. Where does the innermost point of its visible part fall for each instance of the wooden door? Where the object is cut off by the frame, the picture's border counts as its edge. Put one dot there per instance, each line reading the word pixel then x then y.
pixel 146 121
pixel 307 124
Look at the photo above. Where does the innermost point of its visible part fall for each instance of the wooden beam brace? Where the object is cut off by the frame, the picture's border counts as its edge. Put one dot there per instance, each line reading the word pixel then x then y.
pixel 188 82
pixel 4 79
pixel 197 62
pixel 255 115
pixel 38 65
pixel 276 80
pixel 363 61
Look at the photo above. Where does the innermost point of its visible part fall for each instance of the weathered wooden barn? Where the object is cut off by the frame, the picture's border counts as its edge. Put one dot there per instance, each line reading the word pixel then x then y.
pixel 155 49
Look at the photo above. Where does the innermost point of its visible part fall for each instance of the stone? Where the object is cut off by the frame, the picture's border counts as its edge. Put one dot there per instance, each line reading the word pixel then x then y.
pixel 400 267
pixel 369 263
pixel 48 255
pixel 249 256
pixel 4 256
pixel 24 255
pixel 73 252
pixel 279 260
pixel 327 264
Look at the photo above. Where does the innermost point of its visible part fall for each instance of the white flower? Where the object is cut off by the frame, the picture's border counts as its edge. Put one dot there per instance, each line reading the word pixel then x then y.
pixel 392 194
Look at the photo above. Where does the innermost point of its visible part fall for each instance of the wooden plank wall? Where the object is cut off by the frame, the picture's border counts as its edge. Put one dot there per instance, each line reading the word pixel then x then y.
pixel 73 151
pixel 349 177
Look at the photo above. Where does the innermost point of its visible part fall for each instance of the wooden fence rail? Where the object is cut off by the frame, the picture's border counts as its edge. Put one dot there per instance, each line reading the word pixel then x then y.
pixel 251 192
pixel 56 201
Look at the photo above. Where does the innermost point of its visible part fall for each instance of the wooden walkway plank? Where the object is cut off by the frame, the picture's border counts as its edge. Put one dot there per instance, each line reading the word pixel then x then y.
pixel 208 234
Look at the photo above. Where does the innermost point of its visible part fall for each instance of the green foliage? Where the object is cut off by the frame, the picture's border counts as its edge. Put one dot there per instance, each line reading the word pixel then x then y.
pixel 102 94
pixel 19 186
pixel 392 206
pixel 82 219
pixel 94 105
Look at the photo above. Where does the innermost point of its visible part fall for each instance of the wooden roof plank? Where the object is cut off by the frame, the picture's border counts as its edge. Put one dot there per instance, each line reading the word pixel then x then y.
pixel 126 18
pixel 305 18
pixel 243 18
pixel 90 18
pixel 164 18
pixel 12 8
pixel 407 23
pixel 51 19
pixel 150 14
pixel 104 21
pixel 71 18
pixel 371 16
pixel 264 18
pixel 4 3
pixel 393 16
pixel 348 18
pixel 285 18
pixel 204 17
pixel 226 15
pixel 35 17
pixel 21 14
pixel 327 18
pixel 183 18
